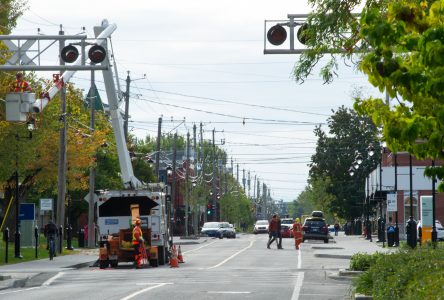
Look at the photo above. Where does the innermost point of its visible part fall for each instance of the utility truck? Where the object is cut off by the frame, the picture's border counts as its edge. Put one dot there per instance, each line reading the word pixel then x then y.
pixel 116 209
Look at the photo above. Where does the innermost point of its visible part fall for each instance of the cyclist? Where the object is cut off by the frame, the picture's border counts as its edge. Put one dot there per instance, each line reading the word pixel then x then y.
pixel 50 233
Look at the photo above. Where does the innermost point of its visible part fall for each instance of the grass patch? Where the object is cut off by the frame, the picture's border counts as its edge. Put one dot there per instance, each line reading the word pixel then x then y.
pixel 405 274
pixel 28 253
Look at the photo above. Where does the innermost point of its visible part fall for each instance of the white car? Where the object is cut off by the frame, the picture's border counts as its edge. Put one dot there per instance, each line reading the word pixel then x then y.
pixel 439 229
pixel 261 226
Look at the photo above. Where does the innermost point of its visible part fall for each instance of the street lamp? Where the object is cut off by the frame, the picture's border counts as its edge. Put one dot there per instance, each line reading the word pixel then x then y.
pixel 411 223
pixel 17 253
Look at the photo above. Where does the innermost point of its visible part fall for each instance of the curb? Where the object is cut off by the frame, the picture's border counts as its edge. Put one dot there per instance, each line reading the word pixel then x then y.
pixel 363 297
pixel 333 256
pixel 4 277
pixel 82 265
pixel 189 242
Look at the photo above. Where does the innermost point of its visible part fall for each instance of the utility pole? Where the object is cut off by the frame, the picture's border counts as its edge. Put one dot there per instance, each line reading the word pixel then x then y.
pixel 202 172
pixel 187 184
pixel 196 210
pixel 92 170
pixel 159 138
pixel 173 188
pixel 264 198
pixel 127 93
pixel 243 180
pixel 213 181
pixel 249 184
pixel 61 187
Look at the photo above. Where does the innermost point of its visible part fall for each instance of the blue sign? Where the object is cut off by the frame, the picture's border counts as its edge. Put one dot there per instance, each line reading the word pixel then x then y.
pixel 111 221
pixel 27 212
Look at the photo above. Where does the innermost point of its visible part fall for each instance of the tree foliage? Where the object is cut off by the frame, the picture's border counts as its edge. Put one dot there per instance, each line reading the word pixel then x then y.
pixel 408 62
pixel 331 186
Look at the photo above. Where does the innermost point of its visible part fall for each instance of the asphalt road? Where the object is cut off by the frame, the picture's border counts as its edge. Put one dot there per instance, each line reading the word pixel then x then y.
pixel 241 268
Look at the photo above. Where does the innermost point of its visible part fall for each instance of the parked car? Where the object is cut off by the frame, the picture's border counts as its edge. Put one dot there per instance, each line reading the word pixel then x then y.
pixel 317 214
pixel 315 229
pixel 439 230
pixel 261 226
pixel 286 231
pixel 287 221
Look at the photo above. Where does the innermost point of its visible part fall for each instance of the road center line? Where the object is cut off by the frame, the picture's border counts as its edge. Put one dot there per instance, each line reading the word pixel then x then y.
pixel 298 286
pixel 51 280
pixel 232 256
pixel 144 290
pixel 199 248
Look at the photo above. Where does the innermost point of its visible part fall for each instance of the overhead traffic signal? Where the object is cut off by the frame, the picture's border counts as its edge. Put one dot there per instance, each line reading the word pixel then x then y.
pixel 96 54
pixel 69 54
pixel 277 35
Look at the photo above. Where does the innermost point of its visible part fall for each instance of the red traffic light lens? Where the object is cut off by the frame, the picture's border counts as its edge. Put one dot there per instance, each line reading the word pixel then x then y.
pixel 69 54
pixel 277 35
pixel 97 54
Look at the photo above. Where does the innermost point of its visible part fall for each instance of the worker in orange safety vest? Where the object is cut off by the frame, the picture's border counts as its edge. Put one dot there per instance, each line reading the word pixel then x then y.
pixel 20 85
pixel 297 233
pixel 137 243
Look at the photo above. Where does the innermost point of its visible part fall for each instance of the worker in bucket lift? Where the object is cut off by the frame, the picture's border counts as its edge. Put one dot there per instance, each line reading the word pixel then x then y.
pixel 20 85
pixel 137 243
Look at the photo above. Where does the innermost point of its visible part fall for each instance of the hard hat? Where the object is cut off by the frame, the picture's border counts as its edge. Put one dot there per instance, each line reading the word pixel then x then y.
pixel 297 220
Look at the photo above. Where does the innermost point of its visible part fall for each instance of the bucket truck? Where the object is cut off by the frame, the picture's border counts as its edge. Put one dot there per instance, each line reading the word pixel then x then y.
pixel 116 209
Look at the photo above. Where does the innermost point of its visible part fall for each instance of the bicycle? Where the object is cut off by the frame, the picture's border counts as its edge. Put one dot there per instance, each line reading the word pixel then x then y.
pixel 52 248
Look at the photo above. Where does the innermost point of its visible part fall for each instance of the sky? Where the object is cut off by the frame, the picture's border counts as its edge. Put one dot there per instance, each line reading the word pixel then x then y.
pixel 204 63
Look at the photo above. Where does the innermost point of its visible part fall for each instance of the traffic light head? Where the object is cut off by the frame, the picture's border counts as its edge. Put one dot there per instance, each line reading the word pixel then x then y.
pixel 209 209
pixel 69 54
pixel 97 54
pixel 277 35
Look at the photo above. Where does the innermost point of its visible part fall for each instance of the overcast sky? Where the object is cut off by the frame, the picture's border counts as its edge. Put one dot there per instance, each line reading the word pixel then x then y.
pixel 204 60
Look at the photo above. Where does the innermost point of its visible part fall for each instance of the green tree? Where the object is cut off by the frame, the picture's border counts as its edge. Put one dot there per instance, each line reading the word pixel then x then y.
pixel 335 153
pixel 407 61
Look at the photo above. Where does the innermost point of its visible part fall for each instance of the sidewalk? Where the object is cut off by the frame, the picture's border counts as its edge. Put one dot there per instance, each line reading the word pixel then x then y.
pixel 16 275
pixel 345 246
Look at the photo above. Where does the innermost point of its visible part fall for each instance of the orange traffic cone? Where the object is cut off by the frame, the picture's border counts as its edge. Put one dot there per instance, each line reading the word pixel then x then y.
pixel 179 256
pixel 174 263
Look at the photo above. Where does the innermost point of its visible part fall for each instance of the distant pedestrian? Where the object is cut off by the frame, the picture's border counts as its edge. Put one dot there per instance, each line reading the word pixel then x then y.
pixel 272 231
pixel 297 233
pixel 279 227
pixel 336 226
pixel 20 85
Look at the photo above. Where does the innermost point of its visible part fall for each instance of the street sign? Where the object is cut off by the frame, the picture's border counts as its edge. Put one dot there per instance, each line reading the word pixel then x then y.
pixel 45 204
pixel 27 212
pixel 426 211
pixel 86 198
pixel 392 202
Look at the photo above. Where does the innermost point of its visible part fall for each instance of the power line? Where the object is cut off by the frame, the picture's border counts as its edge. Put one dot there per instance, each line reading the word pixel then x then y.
pixel 238 103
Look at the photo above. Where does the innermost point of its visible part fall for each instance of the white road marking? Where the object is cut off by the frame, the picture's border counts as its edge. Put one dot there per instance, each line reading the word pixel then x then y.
pixel 51 280
pixel 144 290
pixel 227 292
pixel 232 256
pixel 298 286
pixel 17 291
pixel 199 248
pixel 300 258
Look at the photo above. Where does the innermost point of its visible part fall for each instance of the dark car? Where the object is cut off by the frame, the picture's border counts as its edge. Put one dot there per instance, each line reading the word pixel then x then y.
pixel 286 231
pixel 315 229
